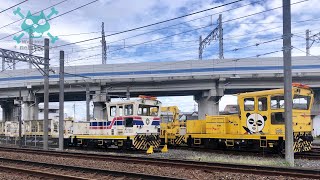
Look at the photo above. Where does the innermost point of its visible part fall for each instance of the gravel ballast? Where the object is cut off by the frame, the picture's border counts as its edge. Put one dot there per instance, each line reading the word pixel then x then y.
pixel 139 168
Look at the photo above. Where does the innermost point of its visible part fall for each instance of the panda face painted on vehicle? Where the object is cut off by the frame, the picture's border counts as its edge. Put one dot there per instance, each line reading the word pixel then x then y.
pixel 255 122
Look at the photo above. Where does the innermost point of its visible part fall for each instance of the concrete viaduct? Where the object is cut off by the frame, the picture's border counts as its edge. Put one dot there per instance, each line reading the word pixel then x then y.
pixel 206 80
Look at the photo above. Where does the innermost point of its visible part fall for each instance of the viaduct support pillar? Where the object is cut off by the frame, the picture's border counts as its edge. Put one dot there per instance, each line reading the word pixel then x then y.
pixel 208 102
pixel 99 105
pixel 9 111
pixel 31 107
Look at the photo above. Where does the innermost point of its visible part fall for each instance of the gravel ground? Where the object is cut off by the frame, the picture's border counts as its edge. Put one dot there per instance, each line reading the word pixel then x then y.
pixel 150 169
pixel 316 141
pixel 91 175
pixel 227 157
pixel 11 176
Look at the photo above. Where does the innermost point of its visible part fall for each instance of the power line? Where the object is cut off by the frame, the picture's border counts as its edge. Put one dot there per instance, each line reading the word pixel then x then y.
pixel 145 42
pixel 98 46
pixel 185 22
pixel 232 60
pixel 306 52
pixel 73 9
pixel 157 52
pixel 13 6
pixel 272 9
pixel 230 37
pixel 93 48
pixel 160 22
pixel 152 30
pixel 234 49
pixel 181 17
pixel 158 39
pixel 54 17
pixel 34 14
pixel 257 32
pixel 254 45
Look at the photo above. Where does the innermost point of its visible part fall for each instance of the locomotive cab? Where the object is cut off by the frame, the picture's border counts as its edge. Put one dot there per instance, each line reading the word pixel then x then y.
pixel 133 117
pixel 262 113
pixel 126 124
pixel 259 123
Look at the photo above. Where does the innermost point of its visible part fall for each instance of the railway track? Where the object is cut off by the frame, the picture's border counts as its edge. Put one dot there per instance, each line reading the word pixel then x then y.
pixel 205 166
pixel 312 155
pixel 59 171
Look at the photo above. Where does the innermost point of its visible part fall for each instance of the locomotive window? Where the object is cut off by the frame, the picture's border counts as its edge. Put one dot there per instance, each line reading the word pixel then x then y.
pixel 113 111
pixel 120 110
pixel 277 102
pixel 262 104
pixel 148 110
pixel 128 109
pixel 249 104
pixel 301 102
pixel 277 118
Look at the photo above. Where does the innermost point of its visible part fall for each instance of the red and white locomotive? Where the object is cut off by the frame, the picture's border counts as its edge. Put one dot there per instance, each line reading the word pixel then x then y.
pixel 129 124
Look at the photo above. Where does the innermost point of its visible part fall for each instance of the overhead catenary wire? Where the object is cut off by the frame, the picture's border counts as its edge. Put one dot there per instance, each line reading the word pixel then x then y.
pixel 53 18
pixel 151 53
pixel 234 49
pixel 152 30
pixel 230 20
pixel 255 44
pixel 318 57
pixel 153 24
pixel 33 13
pixel 268 29
pixel 98 46
pixel 152 40
pixel 13 6
pixel 228 38
pixel 93 48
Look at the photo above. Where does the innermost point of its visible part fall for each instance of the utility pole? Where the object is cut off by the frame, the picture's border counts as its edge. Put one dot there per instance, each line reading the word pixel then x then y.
pixel 19 119
pixel 74 111
pixel 307 42
pixel 287 69
pixel 13 64
pixel 87 102
pixel 3 63
pixel 61 101
pixel 128 93
pixel 104 45
pixel 30 46
pixel 200 47
pixel 220 37
pixel 46 94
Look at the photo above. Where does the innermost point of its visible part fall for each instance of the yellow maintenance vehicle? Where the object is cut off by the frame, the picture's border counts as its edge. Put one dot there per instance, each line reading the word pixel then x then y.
pixel 172 131
pixel 259 124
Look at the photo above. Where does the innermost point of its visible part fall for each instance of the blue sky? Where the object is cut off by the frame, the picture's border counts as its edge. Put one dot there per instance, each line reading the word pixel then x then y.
pixel 119 15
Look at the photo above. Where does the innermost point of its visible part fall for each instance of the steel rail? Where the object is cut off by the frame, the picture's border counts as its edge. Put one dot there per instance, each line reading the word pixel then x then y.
pixel 75 168
pixel 208 166
pixel 6 168
pixel 312 155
